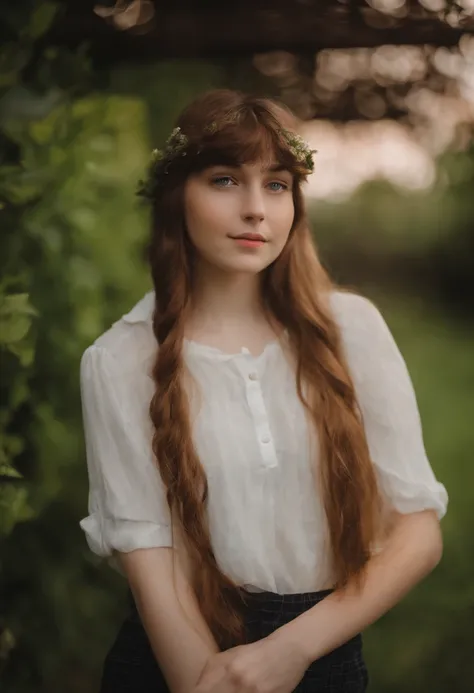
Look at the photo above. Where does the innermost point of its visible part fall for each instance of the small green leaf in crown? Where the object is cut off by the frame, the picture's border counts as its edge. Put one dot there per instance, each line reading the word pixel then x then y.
pixel 175 146
pixel 300 149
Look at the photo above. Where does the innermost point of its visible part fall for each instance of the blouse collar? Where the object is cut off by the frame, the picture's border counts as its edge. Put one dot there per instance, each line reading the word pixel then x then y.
pixel 141 311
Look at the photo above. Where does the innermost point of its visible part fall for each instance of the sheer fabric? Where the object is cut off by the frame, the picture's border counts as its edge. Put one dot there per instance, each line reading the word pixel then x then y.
pixel 267 523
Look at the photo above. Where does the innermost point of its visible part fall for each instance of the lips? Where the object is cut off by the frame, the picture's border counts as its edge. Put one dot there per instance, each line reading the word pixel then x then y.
pixel 250 237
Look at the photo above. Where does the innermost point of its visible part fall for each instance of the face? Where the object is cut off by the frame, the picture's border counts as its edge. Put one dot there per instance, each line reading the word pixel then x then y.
pixel 239 219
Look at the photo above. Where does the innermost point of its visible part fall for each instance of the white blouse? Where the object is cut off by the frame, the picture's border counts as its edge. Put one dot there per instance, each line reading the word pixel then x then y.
pixel 267 523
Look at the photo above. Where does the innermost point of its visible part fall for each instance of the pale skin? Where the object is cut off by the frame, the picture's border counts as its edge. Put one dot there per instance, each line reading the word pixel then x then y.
pixel 227 314
pixel 221 203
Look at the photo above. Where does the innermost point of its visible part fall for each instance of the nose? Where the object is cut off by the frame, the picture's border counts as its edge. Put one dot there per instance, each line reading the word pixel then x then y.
pixel 253 206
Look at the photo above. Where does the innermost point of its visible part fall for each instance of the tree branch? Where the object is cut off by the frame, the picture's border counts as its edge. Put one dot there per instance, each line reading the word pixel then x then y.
pixel 184 31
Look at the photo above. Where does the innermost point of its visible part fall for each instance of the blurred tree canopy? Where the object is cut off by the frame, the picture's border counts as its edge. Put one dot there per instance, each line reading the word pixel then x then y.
pixel 340 59
pixel 187 28
pixel 81 105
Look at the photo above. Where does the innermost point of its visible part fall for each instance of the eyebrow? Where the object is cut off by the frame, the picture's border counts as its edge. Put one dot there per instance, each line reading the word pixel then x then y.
pixel 275 168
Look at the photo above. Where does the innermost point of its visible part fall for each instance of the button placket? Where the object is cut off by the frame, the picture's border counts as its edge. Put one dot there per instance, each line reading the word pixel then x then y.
pixel 259 415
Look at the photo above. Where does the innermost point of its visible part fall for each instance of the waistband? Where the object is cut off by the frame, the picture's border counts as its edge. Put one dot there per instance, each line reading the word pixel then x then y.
pixel 270 599
pixel 275 601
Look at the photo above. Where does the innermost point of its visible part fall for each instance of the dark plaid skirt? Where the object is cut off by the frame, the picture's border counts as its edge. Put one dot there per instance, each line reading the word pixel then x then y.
pixel 130 666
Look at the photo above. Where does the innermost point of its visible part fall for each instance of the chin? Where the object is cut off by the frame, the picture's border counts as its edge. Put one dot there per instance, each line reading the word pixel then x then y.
pixel 250 265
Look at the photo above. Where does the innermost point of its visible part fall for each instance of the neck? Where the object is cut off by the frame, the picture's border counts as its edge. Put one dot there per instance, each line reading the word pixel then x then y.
pixel 225 300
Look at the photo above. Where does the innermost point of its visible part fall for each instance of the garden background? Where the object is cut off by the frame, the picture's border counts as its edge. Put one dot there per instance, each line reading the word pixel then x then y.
pixel 387 95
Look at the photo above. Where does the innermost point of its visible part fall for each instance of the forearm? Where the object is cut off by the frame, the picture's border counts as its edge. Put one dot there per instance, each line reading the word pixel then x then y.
pixel 412 550
pixel 178 635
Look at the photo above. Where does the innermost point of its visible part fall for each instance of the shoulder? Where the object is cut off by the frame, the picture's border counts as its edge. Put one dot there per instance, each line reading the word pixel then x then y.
pixel 356 316
pixel 128 346
pixel 366 338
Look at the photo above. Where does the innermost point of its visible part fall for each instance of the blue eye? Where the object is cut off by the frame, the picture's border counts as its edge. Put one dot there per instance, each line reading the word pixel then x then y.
pixel 222 181
pixel 280 186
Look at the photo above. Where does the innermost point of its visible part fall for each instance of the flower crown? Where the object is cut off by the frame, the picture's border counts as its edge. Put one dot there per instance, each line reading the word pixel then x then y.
pixel 176 146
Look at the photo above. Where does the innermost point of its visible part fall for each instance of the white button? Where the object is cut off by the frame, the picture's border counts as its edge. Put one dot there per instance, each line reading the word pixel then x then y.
pixel 265 439
pixel 253 376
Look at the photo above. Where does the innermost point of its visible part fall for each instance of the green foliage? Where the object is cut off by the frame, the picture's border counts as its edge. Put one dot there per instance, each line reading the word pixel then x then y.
pixel 72 242
pixel 16 314
pixel 410 648
pixel 16 311
pixel 61 157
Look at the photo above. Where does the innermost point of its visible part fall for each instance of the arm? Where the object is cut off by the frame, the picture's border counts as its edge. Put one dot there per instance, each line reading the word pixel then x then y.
pixel 412 550
pixel 178 635
pixel 129 515
pixel 392 425
pixel 277 663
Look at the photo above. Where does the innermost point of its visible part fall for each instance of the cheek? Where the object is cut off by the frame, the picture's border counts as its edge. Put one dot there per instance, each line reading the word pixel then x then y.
pixel 283 219
pixel 206 221
pixel 196 215
pixel 205 216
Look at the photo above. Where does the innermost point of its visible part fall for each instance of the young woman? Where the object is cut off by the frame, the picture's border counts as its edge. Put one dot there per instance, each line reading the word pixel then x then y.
pixel 256 462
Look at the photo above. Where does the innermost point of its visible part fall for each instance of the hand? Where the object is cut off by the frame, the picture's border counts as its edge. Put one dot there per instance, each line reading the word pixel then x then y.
pixel 271 665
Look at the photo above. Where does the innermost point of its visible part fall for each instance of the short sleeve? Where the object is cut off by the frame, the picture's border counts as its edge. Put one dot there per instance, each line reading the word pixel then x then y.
pixel 127 500
pixel 389 409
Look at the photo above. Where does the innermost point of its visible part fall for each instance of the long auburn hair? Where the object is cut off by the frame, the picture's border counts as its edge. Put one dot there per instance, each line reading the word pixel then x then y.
pixel 296 293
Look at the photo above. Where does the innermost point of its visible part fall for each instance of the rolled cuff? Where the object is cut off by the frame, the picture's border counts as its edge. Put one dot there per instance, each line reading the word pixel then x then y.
pixel 408 496
pixel 104 535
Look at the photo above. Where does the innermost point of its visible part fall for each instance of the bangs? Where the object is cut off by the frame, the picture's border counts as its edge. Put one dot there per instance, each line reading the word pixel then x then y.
pixel 247 140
